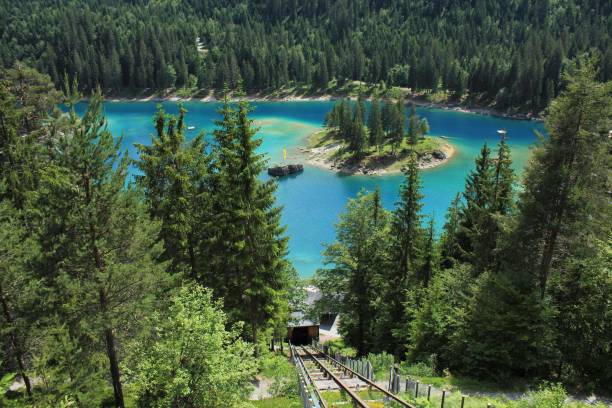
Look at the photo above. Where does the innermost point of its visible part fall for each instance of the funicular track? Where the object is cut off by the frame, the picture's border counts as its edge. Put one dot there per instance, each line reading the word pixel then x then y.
pixel 327 374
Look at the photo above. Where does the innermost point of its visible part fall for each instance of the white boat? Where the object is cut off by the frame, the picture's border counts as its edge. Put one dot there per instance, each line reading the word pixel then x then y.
pixel 190 127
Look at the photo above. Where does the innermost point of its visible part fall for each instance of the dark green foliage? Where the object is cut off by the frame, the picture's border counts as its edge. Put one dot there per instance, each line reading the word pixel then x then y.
pixel 448 240
pixel 105 261
pixel 246 258
pixel 84 254
pixel 439 317
pixel 355 261
pixel 488 202
pixel 507 331
pixel 27 101
pixel 375 125
pixel 509 54
pixel 20 291
pixel 520 290
pixel 407 236
pixel 347 122
pixel 566 181
pixel 417 127
pixel 582 296
pixel 177 187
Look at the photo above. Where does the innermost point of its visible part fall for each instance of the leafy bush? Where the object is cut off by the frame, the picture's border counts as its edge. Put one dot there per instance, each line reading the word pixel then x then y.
pixel 419 369
pixel 339 346
pixel 284 377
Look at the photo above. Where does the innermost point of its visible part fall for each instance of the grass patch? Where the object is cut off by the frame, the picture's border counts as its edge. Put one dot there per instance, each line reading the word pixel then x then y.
pixel 278 402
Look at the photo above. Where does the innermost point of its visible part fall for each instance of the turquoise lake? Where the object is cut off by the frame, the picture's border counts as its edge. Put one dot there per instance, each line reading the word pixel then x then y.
pixel 312 200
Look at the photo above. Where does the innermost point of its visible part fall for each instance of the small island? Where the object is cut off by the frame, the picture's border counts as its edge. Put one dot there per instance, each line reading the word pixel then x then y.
pixel 351 145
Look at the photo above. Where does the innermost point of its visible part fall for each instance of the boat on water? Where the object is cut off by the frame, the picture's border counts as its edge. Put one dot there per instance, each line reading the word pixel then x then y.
pixel 190 127
pixel 285 170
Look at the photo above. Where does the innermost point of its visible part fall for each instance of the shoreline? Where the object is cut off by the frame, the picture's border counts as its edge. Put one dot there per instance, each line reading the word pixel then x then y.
pixel 320 157
pixel 211 98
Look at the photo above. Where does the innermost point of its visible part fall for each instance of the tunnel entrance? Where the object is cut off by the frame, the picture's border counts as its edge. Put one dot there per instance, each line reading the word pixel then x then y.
pixel 300 336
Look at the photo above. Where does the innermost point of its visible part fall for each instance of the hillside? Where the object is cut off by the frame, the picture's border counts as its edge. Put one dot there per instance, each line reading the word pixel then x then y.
pixel 507 56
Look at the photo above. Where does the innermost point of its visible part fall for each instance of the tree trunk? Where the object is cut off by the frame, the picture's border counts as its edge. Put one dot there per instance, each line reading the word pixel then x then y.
pixel 16 346
pixel 111 353
pixel 109 337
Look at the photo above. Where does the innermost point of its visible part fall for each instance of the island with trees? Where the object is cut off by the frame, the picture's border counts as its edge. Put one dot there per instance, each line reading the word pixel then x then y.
pixel 376 142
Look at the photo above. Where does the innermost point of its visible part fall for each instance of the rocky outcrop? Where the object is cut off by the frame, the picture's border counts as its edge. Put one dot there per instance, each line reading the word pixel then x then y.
pixel 280 171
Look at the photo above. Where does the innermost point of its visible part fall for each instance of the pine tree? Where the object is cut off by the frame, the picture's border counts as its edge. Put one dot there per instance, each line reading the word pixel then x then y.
pixel 429 252
pixel 449 252
pixel 406 247
pixel 104 262
pixel 565 180
pixel 176 183
pixel 21 291
pixel 348 285
pixel 507 332
pixel 375 125
pixel 477 196
pixel 397 127
pixel 248 253
pixel 358 141
pixel 417 127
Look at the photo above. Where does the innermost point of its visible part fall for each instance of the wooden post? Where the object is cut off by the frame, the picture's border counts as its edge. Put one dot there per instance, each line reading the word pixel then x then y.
pixel 406 384
pixel 443 395
pixel 428 392
pixel 416 390
pixel 462 401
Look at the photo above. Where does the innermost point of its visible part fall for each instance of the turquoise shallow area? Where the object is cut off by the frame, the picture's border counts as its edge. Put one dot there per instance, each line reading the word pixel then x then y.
pixel 313 199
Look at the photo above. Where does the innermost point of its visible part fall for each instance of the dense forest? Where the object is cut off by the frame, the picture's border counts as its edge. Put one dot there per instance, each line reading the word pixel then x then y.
pixel 509 54
pixel 154 292
pixel 518 285
pixel 164 289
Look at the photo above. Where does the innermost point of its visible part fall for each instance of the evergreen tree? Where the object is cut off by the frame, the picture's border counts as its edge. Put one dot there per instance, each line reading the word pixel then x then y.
pixel 507 332
pixel 477 196
pixel 406 247
pixel 439 317
pixel 358 141
pixel 397 127
pixel 449 252
pixel 248 253
pixel 565 180
pixel 104 261
pixel 21 291
pixel 177 186
pixel 349 285
pixel 375 126
pixel 429 261
pixel 417 127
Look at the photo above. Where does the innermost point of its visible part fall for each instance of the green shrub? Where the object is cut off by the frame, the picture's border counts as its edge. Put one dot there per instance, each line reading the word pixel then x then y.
pixel 419 369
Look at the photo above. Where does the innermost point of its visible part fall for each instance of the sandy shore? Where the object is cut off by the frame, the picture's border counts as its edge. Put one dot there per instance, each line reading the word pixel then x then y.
pixel 321 157
pixel 211 98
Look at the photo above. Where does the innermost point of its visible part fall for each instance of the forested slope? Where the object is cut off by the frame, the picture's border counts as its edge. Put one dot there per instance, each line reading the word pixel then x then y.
pixel 510 53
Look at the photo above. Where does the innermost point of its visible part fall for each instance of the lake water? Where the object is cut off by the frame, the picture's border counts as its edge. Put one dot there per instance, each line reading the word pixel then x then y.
pixel 312 200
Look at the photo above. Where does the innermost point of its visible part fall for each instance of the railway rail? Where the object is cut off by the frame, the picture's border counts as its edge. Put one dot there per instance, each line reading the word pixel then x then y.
pixel 324 373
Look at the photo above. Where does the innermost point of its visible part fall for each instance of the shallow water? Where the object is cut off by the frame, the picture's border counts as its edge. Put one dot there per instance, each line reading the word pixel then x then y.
pixel 313 199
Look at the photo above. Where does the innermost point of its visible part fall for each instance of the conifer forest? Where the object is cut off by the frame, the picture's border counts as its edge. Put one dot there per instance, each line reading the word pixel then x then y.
pixel 158 274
